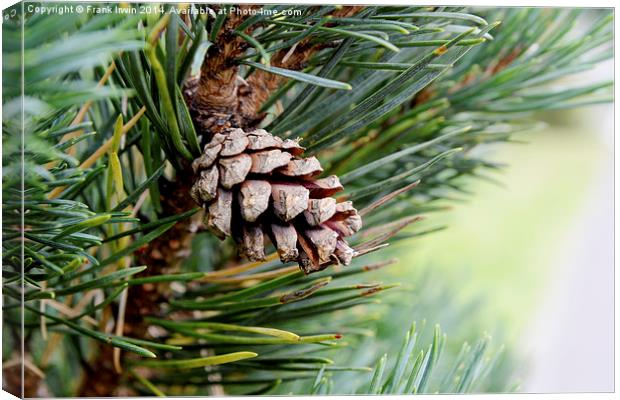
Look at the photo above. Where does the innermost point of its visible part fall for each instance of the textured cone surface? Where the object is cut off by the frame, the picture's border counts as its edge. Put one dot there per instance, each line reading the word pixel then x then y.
pixel 255 186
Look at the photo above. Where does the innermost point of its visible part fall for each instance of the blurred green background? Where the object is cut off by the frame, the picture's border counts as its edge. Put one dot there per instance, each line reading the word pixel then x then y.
pixel 491 269
pixel 503 239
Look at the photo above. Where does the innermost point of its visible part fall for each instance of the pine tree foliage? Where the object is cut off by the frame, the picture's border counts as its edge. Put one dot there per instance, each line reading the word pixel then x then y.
pixel 103 247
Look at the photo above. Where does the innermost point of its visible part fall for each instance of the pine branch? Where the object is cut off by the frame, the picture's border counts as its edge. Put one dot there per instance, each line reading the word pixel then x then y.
pixel 101 200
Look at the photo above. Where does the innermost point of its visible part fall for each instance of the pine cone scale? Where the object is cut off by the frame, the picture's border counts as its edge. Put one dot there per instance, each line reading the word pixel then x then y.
pixel 306 167
pixel 207 158
pixel 265 162
pixel 285 240
pixel 219 214
pixel 254 199
pixel 205 188
pixel 320 210
pixel 324 240
pixel 233 170
pixel 235 146
pixel 324 187
pixel 263 142
pixel 253 243
pixel 289 200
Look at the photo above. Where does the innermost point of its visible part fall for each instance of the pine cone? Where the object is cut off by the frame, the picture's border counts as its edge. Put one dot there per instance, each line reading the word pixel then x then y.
pixel 253 184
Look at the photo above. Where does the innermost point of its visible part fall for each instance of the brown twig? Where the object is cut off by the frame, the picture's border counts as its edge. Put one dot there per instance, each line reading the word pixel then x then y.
pixel 214 102
pixel 221 99
pixel 261 84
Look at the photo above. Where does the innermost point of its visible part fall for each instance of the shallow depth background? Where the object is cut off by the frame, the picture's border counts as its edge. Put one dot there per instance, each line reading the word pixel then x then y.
pixel 531 259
